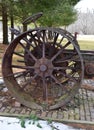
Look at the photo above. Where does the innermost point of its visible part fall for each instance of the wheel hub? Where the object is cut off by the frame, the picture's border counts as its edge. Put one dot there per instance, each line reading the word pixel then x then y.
pixel 44 67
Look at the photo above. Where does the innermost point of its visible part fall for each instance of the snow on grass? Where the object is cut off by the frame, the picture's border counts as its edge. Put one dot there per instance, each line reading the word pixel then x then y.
pixel 9 123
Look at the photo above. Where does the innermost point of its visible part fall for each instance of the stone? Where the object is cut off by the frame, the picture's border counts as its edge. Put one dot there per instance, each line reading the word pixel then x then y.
pixel 0 104
pixel 16 104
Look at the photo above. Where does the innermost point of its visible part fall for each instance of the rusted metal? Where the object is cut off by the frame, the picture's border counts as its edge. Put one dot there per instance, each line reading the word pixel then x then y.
pixel 43 67
pixel 88 57
pixel 38 72
pixel 89 69
pixel 88 60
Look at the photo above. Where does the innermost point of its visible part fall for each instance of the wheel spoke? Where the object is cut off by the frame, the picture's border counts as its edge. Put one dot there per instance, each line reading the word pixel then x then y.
pixel 60 51
pixel 18 54
pixel 37 37
pixel 45 94
pixel 56 81
pixel 33 38
pixel 23 67
pixel 65 59
pixel 44 36
pixel 61 40
pixel 21 61
pixel 43 50
pixel 64 68
pixel 33 57
pixel 69 77
pixel 37 40
pixel 55 38
pixel 24 73
pixel 18 74
pixel 30 43
pixel 29 81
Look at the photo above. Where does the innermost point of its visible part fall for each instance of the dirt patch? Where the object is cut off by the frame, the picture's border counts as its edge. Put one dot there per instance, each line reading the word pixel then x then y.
pixel 3 47
pixel 0 71
pixel 2 50
pixel 81 125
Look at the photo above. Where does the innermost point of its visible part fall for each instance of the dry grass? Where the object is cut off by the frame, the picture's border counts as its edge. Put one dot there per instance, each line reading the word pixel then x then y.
pixel 86 45
pixel 2 50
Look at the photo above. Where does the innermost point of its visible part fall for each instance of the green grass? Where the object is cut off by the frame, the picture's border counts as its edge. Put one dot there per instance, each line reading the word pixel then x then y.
pixel 86 45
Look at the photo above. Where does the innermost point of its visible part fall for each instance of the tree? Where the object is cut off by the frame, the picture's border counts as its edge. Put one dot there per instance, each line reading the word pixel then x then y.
pixel 84 23
pixel 7 10
pixel 3 7
pixel 72 2
pixel 23 9
pixel 56 13
pixel 11 10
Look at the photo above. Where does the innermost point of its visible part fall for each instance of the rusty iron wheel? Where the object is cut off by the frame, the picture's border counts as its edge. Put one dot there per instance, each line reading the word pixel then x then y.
pixel 39 68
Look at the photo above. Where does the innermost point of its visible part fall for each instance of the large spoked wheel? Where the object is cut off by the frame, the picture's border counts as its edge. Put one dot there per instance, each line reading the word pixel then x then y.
pixel 40 68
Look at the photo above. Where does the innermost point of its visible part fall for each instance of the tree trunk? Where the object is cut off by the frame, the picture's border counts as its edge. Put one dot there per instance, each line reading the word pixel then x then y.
pixel 5 25
pixel 12 26
pixel 24 27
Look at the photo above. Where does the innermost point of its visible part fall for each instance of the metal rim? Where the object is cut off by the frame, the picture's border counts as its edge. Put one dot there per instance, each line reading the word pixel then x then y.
pixel 32 18
pixel 40 68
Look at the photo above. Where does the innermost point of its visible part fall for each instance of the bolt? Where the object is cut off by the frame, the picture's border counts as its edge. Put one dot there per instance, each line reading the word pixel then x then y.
pixel 43 68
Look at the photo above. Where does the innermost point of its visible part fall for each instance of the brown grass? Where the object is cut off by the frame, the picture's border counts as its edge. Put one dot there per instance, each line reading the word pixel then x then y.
pixel 2 50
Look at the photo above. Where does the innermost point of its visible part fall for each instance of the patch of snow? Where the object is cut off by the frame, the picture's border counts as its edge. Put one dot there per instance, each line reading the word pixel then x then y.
pixel 9 123
pixel 5 90
pixel 1 81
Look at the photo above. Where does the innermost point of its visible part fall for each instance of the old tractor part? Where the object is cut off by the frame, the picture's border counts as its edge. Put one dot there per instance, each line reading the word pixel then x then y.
pixel 89 69
pixel 88 58
pixel 32 19
pixel 40 68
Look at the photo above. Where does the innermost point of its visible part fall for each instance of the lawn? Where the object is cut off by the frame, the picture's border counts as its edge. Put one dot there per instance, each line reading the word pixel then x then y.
pixel 86 45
